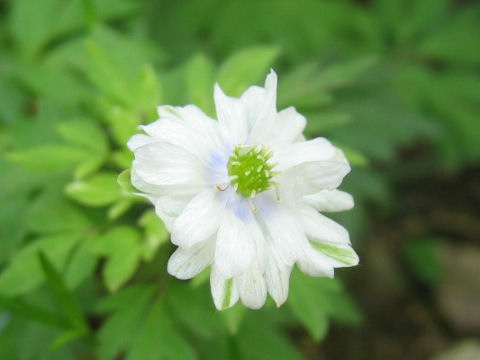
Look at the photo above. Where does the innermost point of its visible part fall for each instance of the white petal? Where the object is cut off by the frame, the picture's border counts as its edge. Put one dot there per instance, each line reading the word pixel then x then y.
pixel 277 276
pixel 138 183
pixel 235 249
pixel 161 163
pixel 198 221
pixel 168 208
pixel 313 176
pixel 338 255
pixel 186 127
pixel 283 232
pixel 187 263
pixel 253 288
pixel 330 200
pixel 316 150
pixel 232 116
pixel 289 125
pixel 315 263
pixel 261 110
pixel 138 140
pixel 320 228
pixel 224 290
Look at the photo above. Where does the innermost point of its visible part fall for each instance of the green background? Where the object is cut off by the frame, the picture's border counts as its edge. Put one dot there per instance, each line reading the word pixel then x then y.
pixel 395 84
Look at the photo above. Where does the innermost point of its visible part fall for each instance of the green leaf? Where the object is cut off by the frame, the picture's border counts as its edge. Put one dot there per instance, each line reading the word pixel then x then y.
pixel 122 247
pixel 319 122
pixel 233 317
pixel 82 263
pixel 309 85
pixel 423 256
pixel 123 124
pixel 199 79
pixel 308 305
pixel 149 93
pixel 201 318
pixel 53 19
pixel 158 339
pixel 106 73
pixel 119 208
pixel 99 190
pixel 24 273
pixel 155 233
pixel 453 42
pixel 314 301
pixel 259 340
pixel 62 295
pixel 354 157
pixel 50 157
pixel 120 330
pixel 246 67
pixel 52 212
pixel 32 312
pixel 124 180
pixel 340 75
pixel 84 133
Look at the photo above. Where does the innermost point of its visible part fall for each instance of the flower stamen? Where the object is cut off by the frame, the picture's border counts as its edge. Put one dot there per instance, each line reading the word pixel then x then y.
pixel 249 170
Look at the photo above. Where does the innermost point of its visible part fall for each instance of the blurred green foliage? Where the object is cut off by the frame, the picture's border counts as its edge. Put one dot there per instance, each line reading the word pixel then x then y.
pixel 83 261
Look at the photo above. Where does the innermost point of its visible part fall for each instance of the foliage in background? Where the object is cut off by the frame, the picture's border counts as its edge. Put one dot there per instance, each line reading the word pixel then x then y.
pixel 83 262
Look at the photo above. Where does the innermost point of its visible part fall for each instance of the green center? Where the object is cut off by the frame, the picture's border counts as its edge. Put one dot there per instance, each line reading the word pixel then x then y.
pixel 249 170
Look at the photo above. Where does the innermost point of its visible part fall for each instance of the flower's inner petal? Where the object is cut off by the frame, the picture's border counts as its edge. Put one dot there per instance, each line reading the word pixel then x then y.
pixel 198 221
pixel 289 126
pixel 235 248
pixel 261 109
pixel 231 116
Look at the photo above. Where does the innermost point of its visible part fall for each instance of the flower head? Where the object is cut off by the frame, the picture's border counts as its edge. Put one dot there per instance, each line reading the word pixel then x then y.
pixel 243 194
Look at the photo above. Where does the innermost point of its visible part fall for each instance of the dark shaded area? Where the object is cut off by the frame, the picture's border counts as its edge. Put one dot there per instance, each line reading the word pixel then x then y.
pixel 407 317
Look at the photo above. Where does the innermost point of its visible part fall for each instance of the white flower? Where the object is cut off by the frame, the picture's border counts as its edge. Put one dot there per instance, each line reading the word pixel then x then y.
pixel 243 194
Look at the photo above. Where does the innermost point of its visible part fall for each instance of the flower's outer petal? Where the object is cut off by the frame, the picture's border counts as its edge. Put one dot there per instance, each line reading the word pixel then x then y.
pixel 315 263
pixel 187 128
pixel 198 221
pixel 232 116
pixel 224 290
pixel 148 189
pixel 277 276
pixel 164 164
pixel 320 228
pixel 289 125
pixel 252 288
pixel 139 140
pixel 312 177
pixel 338 255
pixel 236 245
pixel 316 150
pixel 330 200
pixel 187 263
pixel 261 109
pixel 168 208
pixel 283 232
